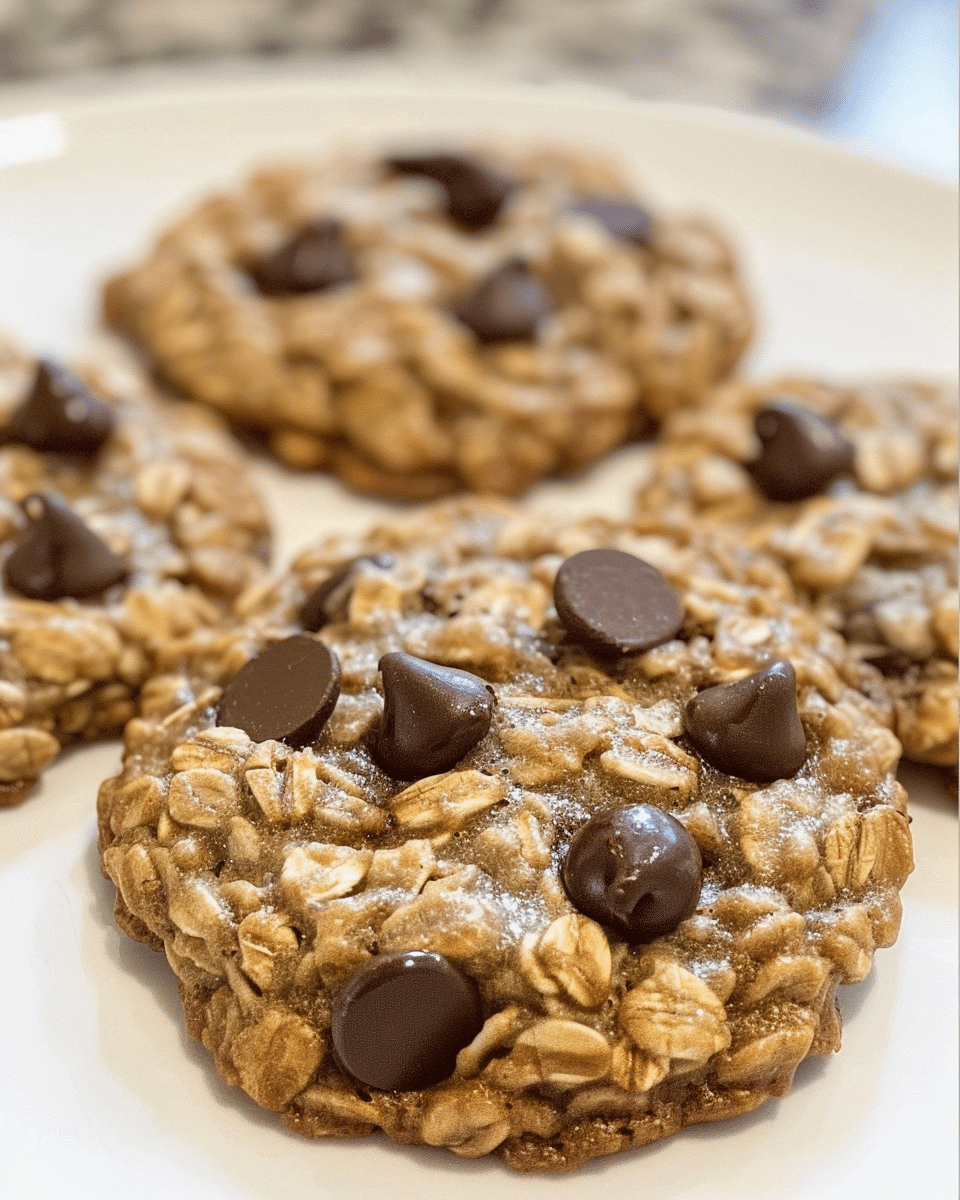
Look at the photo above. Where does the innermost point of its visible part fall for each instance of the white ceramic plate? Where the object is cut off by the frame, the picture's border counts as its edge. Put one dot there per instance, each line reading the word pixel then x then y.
pixel 101 1092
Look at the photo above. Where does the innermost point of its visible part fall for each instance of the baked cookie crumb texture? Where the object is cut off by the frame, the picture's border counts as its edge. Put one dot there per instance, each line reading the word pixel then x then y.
pixel 125 524
pixel 853 489
pixel 531 889
pixel 424 325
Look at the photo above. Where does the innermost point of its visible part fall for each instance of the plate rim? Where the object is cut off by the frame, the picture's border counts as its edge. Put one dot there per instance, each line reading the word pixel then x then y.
pixel 99 94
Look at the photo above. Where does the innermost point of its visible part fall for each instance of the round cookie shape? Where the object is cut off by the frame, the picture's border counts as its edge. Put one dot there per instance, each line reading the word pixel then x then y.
pixel 286 693
pixel 59 555
pixel 487 334
pixel 751 728
pixel 432 716
pixel 801 453
pixel 59 413
pixel 313 260
pixel 128 524
pixel 400 1022
pixel 635 870
pixel 615 603
pixel 475 193
pixel 629 940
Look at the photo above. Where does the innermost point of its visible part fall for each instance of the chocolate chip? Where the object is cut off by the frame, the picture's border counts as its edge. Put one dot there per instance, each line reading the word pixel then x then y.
pixel 400 1022
pixel 635 870
pixel 432 716
pixel 314 260
pixel 751 728
pixel 614 602
pixel 328 601
pixel 625 221
pixel 507 305
pixel 801 453
pixel 60 413
pixel 286 693
pixel 475 193
pixel 59 555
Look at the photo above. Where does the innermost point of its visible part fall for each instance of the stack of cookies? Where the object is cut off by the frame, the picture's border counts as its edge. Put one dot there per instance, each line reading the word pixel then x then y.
pixel 487 830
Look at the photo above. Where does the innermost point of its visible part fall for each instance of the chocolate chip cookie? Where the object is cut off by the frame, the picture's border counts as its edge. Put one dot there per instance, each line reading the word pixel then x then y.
pixel 854 490
pixel 515 837
pixel 433 323
pixel 126 523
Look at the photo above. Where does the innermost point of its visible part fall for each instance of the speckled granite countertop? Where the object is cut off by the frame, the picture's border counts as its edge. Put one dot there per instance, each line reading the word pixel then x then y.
pixel 781 57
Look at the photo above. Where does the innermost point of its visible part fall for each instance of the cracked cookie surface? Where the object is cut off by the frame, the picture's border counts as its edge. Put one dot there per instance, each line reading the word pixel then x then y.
pixel 283 883
pixel 875 547
pixel 110 550
pixel 432 356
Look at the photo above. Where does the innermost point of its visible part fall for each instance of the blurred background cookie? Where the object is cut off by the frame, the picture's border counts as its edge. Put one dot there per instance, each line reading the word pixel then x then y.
pixel 425 323
pixel 126 523
pixel 854 490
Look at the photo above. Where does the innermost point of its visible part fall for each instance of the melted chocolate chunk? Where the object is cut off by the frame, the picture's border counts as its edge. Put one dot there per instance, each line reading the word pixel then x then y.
pixel 59 555
pixel 432 716
pixel 286 693
pixel 400 1022
pixel 329 600
pixel 751 728
pixel 801 453
pixel 625 221
pixel 635 870
pixel 614 602
pixel 475 193
pixel 507 306
pixel 314 260
pixel 60 413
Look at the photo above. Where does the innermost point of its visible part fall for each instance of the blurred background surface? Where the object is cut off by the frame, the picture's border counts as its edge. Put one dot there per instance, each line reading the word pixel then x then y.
pixel 881 74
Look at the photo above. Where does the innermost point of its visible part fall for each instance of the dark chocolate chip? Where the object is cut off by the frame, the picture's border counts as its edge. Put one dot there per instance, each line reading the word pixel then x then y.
pixel 328 601
pixel 475 193
pixel 614 602
pixel 400 1022
pixel 314 260
pixel 801 453
pixel 507 305
pixel 60 413
pixel 286 693
pixel 751 728
pixel 432 716
pixel 635 870
pixel 625 221
pixel 59 555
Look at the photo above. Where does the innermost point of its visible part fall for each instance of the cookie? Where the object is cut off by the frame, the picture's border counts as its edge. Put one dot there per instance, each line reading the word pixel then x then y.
pixel 125 524
pixel 854 490
pixel 556 877
pixel 424 325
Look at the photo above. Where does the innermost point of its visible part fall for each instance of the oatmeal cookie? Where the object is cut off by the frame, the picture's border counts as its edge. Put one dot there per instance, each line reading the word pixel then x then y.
pixel 854 490
pixel 125 522
pixel 513 837
pixel 424 325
